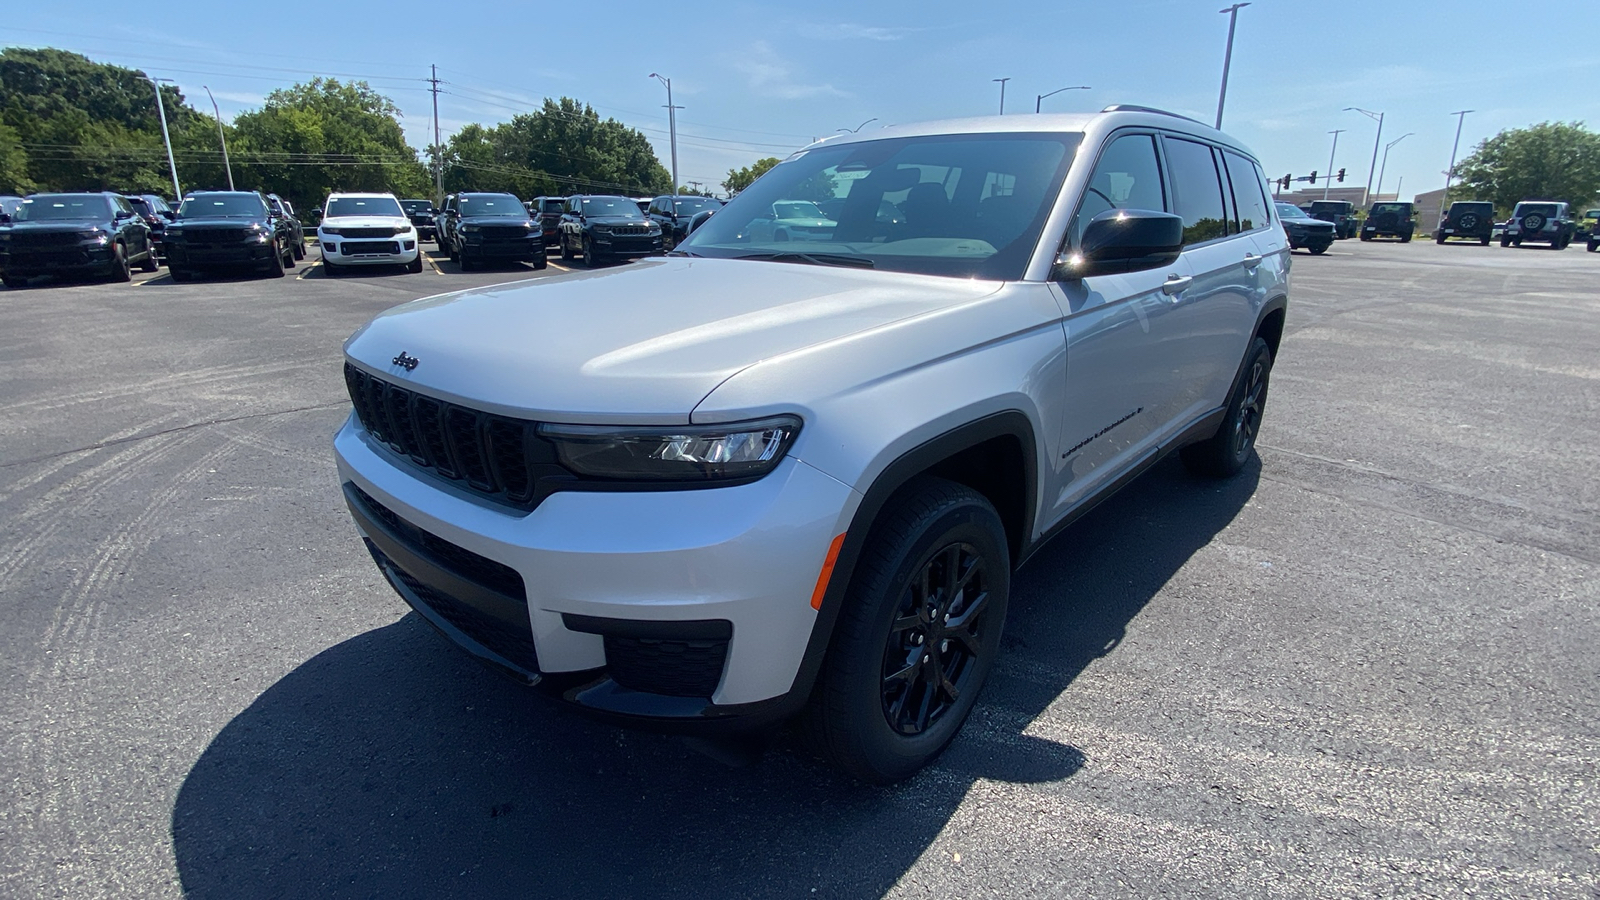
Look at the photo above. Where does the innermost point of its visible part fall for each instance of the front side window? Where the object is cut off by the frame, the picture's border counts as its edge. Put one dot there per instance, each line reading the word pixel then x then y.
pixel 968 206
pixel 364 206
pixel 1127 176
pixel 1249 197
pixel 1197 191
pixel 225 205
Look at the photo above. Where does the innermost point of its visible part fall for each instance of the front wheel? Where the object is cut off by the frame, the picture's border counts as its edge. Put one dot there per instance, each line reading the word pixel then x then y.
pixel 149 263
pixel 1594 245
pixel 15 282
pixel 591 259
pixel 1226 452
pixel 917 636
pixel 181 276
pixel 119 264
pixel 300 249
pixel 1318 250
pixel 415 266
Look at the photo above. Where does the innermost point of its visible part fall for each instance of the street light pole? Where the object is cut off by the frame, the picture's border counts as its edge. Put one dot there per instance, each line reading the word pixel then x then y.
pixel 1461 117
pixel 1227 56
pixel 221 137
pixel 167 139
pixel 672 126
pixel 1329 182
pixel 1383 168
pixel 1366 197
pixel 858 127
pixel 1002 93
pixel 1040 99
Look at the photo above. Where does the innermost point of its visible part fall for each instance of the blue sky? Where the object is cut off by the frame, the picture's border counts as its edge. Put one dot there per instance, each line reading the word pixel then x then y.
pixel 762 79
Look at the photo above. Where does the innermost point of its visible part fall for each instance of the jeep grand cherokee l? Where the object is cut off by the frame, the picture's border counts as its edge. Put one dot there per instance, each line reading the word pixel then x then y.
pixel 367 230
pixel 74 234
pixel 1303 231
pixel 481 228
pixel 603 228
pixel 227 230
pixel 762 479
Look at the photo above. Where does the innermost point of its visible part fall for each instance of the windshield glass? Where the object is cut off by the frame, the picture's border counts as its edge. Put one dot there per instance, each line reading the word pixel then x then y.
pixel 611 206
pixel 363 206
pixel 1290 211
pixel 963 205
pixel 62 206
pixel 202 205
pixel 1330 206
pixel 1379 209
pixel 416 206
pixel 697 204
pixel 140 206
pixel 492 205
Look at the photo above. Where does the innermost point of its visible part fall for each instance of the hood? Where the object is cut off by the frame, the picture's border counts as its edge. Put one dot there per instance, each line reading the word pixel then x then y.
pixel 510 221
pixel 617 220
pixel 640 344
pixel 219 222
pixel 365 222
pixel 51 226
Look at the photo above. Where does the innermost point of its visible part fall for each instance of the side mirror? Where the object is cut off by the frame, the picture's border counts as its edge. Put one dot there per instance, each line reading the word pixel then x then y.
pixel 168 214
pixel 5 218
pixel 1124 240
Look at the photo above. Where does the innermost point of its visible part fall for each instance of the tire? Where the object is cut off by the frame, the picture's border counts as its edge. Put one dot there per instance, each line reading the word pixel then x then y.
pixel 14 282
pixel 1318 250
pixel 1365 236
pixel 1225 453
pixel 299 248
pixel 1516 242
pixel 542 263
pixel 1405 238
pixel 861 717
pixel 467 263
pixel 1438 239
pixel 288 256
pixel 1505 242
pixel 1594 245
pixel 566 251
pixel 329 268
pixel 590 258
pixel 120 271
pixel 275 266
pixel 415 266
pixel 455 254
pixel 1483 242
pixel 182 276
pixel 149 263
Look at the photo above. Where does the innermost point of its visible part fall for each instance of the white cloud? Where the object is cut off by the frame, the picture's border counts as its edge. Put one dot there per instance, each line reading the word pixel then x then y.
pixel 769 75
pixel 849 31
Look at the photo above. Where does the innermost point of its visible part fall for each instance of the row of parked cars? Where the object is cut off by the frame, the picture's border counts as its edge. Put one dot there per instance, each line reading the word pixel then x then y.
pixel 1547 222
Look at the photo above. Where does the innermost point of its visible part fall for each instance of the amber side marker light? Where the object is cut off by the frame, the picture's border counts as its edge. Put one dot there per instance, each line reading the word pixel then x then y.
pixel 827 572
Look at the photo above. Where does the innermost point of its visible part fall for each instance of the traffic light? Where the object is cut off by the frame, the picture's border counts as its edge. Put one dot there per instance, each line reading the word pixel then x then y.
pixel 1313 178
pixel 1341 175
pixel 1283 183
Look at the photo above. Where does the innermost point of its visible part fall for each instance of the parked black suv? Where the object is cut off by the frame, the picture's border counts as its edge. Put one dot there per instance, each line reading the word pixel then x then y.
pixel 673 214
pixel 547 212
pixel 1342 213
pixel 478 228
pixel 421 213
pixel 601 227
pixel 1541 222
pixel 228 229
pixel 155 212
pixel 1303 231
pixel 66 234
pixel 1467 219
pixel 1389 220
pixel 297 231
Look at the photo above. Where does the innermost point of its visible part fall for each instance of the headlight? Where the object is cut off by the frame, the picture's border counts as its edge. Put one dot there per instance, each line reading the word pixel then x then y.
pixel 655 227
pixel 329 229
pixel 602 229
pixel 736 451
pixel 468 229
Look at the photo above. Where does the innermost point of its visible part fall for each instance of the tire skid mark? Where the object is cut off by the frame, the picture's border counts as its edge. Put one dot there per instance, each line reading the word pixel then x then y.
pixel 175 381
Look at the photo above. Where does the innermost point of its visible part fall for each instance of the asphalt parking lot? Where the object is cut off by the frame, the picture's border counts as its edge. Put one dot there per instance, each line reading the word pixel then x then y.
pixel 1367 666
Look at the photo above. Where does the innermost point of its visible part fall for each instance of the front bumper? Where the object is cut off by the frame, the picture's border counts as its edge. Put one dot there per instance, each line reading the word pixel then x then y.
pixel 185 256
pixel 530 249
pixel 399 250
pixel 56 260
pixel 626 245
pixel 742 558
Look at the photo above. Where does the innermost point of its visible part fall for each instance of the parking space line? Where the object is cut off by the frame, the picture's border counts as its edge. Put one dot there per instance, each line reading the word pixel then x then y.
pixel 433 264
pixel 556 265
pixel 308 268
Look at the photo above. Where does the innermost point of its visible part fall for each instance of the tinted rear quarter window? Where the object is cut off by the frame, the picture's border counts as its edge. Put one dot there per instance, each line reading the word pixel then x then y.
pixel 1197 190
pixel 1249 195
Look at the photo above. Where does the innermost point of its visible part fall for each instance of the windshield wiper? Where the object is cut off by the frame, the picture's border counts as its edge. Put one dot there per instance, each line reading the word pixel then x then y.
pixel 815 259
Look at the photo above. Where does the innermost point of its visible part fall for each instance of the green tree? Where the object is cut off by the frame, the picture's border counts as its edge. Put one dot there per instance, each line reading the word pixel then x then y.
pixel 13 163
pixel 562 148
pixel 323 136
pixel 739 179
pixel 1548 161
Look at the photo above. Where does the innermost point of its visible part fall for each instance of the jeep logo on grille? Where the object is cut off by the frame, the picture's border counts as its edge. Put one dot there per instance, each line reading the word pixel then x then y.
pixel 405 362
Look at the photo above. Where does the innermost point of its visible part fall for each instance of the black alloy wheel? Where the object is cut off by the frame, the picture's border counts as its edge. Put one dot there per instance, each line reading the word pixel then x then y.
pixel 274 266
pixel 288 256
pixel 1225 453
pixel 591 259
pixel 179 275
pixel 120 270
pixel 917 634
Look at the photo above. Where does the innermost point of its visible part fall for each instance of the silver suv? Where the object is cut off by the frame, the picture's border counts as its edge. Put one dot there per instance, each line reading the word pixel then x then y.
pixel 768 478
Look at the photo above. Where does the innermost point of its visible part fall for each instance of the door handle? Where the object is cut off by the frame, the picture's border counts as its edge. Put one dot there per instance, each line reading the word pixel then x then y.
pixel 1251 260
pixel 1175 284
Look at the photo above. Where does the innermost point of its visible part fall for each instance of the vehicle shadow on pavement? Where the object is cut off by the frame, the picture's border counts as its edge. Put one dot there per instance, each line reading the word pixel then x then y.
pixel 392 766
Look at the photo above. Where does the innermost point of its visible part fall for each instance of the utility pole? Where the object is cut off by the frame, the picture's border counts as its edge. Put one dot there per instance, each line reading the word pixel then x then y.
pixel 1039 99
pixel 167 139
pixel 1329 183
pixel 672 127
pixel 1366 196
pixel 1461 116
pixel 1002 93
pixel 1378 191
pixel 221 137
pixel 438 151
pixel 1227 57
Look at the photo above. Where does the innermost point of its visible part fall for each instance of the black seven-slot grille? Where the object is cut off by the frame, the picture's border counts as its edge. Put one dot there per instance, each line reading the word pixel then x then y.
pixel 630 229
pixel 386 231
pixel 497 457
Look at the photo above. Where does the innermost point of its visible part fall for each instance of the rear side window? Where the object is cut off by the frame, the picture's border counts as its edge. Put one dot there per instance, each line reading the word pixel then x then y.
pixel 1197 190
pixel 1249 197
pixel 1127 176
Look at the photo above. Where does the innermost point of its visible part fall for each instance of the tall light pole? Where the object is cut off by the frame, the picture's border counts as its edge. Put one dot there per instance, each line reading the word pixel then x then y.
pixel 858 127
pixel 221 137
pixel 1002 93
pixel 1385 166
pixel 1227 57
pixel 162 108
pixel 1040 99
pixel 1329 182
pixel 1461 116
pixel 1366 196
pixel 672 125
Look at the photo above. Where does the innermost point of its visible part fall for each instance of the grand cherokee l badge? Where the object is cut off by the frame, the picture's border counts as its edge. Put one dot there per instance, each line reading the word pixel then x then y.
pixel 405 362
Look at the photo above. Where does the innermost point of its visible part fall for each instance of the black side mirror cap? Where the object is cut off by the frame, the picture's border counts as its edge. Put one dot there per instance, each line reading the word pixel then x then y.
pixel 1124 240
pixel 5 218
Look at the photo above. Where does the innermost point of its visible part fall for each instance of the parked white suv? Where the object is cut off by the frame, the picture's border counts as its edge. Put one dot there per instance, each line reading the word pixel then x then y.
pixel 367 230
pixel 762 478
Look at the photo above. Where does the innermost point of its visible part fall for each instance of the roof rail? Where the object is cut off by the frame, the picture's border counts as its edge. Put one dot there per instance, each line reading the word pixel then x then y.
pixel 1129 107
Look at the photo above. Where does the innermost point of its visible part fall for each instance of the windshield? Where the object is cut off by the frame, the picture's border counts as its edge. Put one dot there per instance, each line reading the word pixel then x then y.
pixel 140 206
pixel 226 205
pixel 1330 206
pixel 416 206
pixel 692 206
pixel 553 206
pixel 1379 209
pixel 492 205
pixel 363 206
pixel 963 205
pixel 611 206
pixel 1290 211
pixel 62 206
